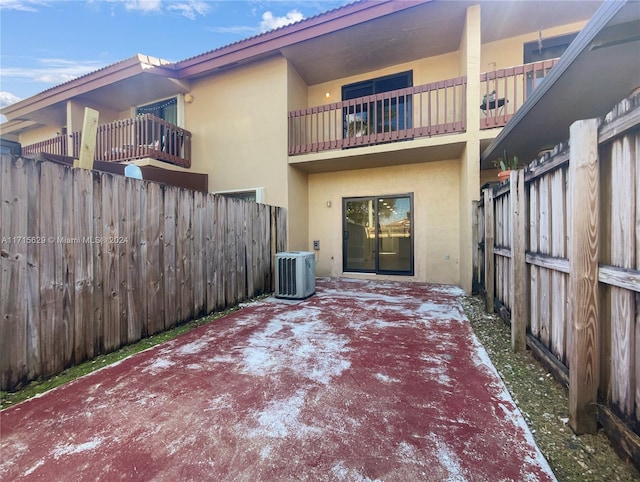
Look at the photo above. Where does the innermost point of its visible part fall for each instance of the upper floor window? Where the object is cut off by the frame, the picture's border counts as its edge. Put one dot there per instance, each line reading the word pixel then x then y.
pixel 166 109
pixel 366 118
pixel 547 48
pixel 544 49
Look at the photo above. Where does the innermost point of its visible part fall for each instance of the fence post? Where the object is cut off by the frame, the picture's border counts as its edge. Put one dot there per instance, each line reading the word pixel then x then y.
pixel 584 228
pixel 88 139
pixel 489 260
pixel 518 263
pixel 474 243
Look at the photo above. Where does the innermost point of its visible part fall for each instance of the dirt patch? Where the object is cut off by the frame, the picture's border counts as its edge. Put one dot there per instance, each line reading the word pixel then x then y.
pixel 545 406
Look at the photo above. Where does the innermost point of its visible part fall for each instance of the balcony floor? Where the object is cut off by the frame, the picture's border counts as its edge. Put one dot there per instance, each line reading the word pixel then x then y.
pixel 411 151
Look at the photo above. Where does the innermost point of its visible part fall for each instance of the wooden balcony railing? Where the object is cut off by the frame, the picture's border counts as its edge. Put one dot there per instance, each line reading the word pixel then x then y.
pixel 505 90
pixel 58 145
pixel 127 140
pixel 420 111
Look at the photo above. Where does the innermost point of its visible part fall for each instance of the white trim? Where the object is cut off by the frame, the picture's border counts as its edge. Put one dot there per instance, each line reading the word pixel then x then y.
pixel 180 110
pixel 260 192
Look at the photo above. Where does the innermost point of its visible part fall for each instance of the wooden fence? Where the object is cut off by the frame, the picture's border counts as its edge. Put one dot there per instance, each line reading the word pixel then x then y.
pixel 92 261
pixel 558 253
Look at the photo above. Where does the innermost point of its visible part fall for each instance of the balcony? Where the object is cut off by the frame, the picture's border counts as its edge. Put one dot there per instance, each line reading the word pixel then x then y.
pixel 505 90
pixel 422 111
pixel 144 136
pixel 419 111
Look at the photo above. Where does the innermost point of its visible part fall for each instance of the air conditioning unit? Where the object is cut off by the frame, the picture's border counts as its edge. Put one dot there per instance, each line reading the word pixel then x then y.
pixel 295 274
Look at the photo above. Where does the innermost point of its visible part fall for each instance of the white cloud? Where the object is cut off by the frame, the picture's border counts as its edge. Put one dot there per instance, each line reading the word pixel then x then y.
pixel 7 98
pixel 52 71
pixel 269 22
pixel 143 5
pixel 23 5
pixel 190 8
pixel 238 29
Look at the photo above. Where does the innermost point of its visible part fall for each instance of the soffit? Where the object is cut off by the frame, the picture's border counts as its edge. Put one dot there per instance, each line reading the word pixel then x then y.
pixel 425 30
pixel 602 72
pixel 118 96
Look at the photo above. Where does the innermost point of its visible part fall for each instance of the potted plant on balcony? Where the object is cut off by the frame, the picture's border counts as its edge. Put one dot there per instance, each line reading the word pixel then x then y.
pixel 505 164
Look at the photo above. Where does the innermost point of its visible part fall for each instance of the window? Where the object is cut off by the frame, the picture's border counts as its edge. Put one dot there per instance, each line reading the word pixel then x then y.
pixel 165 109
pixel 377 234
pixel 544 49
pixel 252 195
pixel 366 118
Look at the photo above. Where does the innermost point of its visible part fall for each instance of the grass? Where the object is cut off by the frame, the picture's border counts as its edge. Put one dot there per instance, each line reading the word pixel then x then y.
pixel 544 404
pixel 36 387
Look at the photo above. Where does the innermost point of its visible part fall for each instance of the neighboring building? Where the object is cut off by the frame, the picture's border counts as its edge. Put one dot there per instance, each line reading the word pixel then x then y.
pixel 367 122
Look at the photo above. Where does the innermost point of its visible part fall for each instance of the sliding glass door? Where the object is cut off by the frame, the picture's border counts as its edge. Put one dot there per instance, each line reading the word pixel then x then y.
pixel 377 234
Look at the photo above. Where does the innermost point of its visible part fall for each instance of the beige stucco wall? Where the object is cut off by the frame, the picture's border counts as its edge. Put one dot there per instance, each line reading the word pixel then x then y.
pixel 470 162
pixel 239 124
pixel 435 187
pixel 510 51
pixel 427 70
pixel 39 134
pixel 297 180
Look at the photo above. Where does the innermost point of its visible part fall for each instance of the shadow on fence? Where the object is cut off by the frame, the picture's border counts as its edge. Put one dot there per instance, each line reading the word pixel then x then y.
pixel 92 261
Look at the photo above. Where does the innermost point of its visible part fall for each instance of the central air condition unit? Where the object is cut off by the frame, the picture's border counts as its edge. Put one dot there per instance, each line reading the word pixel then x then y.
pixel 295 274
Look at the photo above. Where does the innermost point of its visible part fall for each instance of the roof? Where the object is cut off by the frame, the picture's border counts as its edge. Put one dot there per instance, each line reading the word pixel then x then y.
pixel 403 32
pixel 599 68
pixel 263 45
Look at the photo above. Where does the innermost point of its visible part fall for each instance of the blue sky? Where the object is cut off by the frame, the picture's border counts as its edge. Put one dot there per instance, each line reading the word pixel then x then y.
pixel 46 42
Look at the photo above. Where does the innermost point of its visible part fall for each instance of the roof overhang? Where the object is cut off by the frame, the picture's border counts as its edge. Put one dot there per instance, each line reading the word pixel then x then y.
pixel 371 35
pixel 350 40
pixel 600 68
pixel 131 82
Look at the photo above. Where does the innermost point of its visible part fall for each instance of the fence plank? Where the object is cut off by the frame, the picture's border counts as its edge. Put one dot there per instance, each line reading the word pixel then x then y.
pixel 98 266
pixel 518 263
pixel 534 233
pixel 474 244
pixel 111 198
pixel 50 258
pixel 637 255
pixel 169 257
pixel 69 244
pixel 199 258
pixel 143 275
pixel 83 222
pixel 558 280
pixel 583 280
pixel 129 241
pixel 544 293
pixel 184 241
pixel 232 255
pixel 249 210
pixel 155 259
pixel 489 266
pixel 13 262
pixel 211 250
pixel 241 252
pixel 622 387
pixel 221 241
pixel 33 269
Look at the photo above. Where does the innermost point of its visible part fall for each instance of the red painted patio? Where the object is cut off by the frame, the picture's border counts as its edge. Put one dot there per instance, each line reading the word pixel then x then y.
pixel 363 381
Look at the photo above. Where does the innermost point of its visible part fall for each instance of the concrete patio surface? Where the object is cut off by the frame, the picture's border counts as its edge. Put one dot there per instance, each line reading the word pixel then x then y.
pixel 366 380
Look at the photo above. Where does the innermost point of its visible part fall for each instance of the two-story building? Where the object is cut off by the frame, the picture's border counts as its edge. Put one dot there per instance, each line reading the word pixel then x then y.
pixel 366 122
